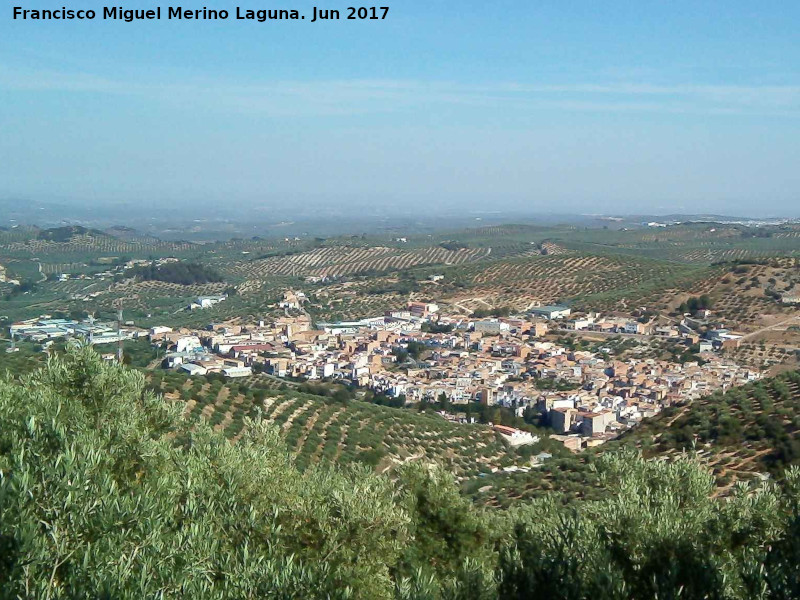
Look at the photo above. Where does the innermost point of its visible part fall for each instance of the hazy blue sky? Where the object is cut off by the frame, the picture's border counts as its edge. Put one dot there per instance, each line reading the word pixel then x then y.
pixel 552 106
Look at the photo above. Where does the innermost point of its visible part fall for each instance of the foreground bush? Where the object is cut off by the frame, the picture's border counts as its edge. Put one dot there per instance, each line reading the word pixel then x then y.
pixel 105 492
pixel 662 534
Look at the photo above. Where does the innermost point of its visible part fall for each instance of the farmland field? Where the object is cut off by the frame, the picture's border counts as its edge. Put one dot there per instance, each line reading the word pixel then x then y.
pixel 340 261
pixel 331 432
pixel 319 429
pixel 587 281
pixel 350 277
pixel 224 405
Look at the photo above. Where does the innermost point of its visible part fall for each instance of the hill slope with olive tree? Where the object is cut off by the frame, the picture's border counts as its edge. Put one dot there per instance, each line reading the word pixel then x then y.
pixel 106 491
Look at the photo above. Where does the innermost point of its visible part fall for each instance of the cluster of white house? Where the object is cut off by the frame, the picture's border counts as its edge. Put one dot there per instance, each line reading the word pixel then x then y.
pixel 585 397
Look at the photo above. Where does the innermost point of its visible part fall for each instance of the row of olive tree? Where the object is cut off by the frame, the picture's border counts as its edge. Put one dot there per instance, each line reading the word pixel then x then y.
pixel 106 492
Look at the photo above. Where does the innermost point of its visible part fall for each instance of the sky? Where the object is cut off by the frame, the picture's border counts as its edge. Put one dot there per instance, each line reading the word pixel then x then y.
pixel 545 106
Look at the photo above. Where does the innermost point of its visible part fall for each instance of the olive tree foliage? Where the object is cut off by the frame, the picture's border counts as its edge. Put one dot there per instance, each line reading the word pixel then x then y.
pixel 105 492
pixel 454 550
pixel 660 534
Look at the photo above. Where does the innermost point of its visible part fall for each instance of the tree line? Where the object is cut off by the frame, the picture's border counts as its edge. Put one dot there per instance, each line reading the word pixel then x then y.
pixel 176 272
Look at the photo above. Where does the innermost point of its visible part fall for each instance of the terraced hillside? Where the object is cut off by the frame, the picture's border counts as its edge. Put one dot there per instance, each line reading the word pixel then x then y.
pixel 747 298
pixel 331 432
pixel 224 404
pixel 591 281
pixel 745 433
pixel 79 242
pixel 321 429
pixel 337 261
pixel 146 295
pixel 747 430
